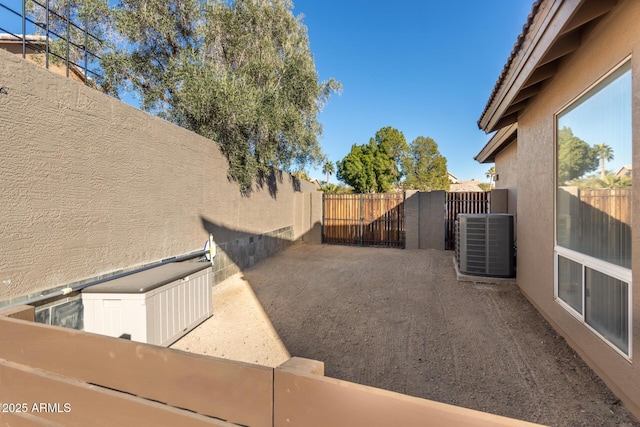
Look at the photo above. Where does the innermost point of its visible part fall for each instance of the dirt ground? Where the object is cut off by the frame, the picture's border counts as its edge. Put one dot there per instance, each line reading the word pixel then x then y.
pixel 238 330
pixel 399 320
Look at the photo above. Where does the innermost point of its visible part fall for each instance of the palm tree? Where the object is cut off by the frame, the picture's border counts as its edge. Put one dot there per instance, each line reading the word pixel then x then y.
pixel 490 174
pixel 604 152
pixel 328 168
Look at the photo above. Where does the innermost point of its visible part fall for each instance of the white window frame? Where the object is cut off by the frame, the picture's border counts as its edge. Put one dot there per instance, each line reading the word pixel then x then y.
pixel 586 261
pixel 612 270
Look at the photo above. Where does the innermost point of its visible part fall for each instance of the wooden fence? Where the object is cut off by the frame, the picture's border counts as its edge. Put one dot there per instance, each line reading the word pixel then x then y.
pixel 463 202
pixel 364 219
pixel 52 376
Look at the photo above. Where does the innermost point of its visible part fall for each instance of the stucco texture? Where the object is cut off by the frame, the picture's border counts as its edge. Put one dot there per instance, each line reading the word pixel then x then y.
pixel 89 185
pixel 603 47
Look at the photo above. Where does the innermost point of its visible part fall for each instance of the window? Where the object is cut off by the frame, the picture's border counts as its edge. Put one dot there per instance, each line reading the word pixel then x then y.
pixel 593 208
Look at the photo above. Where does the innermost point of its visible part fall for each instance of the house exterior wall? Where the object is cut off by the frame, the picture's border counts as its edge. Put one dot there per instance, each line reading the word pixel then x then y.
pixel 507 170
pixel 90 185
pixel 604 47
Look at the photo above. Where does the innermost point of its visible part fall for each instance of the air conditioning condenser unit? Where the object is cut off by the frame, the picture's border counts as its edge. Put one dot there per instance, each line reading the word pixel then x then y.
pixel 485 245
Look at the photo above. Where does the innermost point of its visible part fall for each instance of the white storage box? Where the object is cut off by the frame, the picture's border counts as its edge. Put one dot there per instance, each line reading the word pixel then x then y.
pixel 155 306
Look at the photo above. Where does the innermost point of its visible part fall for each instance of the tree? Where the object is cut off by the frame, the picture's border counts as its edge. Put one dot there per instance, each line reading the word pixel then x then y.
pixel 367 168
pixel 328 168
pixel 491 173
pixel 575 156
pixel 335 189
pixel 610 180
pixel 614 181
pixel 392 142
pixel 603 152
pixel 240 73
pixel 377 166
pixel 300 174
pixel 427 168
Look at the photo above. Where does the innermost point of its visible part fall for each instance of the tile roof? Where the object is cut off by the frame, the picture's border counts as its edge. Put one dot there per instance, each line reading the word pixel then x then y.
pixel 514 52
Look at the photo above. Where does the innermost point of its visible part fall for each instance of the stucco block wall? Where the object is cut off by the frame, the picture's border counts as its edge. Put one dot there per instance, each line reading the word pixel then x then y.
pixel 614 38
pixel 424 219
pixel 89 185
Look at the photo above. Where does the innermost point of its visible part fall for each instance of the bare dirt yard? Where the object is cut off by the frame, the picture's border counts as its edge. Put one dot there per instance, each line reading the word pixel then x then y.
pixel 399 320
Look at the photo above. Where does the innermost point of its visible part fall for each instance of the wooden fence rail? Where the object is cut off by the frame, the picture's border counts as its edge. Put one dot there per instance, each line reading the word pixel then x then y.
pixel 61 377
pixel 364 219
pixel 237 392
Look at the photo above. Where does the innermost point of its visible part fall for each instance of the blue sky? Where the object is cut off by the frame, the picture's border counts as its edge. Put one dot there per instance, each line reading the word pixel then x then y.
pixel 425 67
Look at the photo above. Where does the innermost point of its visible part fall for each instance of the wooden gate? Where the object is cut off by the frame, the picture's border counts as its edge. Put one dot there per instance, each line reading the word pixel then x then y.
pixel 364 219
pixel 463 202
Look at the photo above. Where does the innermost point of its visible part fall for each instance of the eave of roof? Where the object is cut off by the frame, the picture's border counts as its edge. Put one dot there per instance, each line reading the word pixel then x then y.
pixel 552 31
pixel 497 143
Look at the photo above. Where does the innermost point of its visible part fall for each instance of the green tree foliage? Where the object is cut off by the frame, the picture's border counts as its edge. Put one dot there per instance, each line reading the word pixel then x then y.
pixel 68 19
pixel 329 169
pixel 604 153
pixel 335 189
pixel 377 166
pixel 427 168
pixel 239 72
pixel 575 156
pixel 610 180
pixel 302 175
pixel 393 143
pixel 366 169
pixel 491 173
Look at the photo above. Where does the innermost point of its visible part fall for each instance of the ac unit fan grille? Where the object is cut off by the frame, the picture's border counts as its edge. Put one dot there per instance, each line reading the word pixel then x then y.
pixel 485 245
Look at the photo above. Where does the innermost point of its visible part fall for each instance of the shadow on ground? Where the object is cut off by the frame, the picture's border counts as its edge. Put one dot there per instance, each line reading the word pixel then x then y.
pixel 399 320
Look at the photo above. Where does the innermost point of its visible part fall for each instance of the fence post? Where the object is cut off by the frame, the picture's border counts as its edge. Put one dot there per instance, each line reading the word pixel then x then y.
pixel 412 219
pixel 361 219
pixel 499 201
pixel 432 219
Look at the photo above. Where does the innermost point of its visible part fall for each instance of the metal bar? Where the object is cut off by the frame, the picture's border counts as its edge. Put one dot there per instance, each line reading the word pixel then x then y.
pixel 47 42
pixel 24 29
pixel 86 44
pixel 72 23
pixel 361 219
pixel 68 37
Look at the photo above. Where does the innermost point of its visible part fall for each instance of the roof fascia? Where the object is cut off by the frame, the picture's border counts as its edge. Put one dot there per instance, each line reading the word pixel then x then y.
pixel 499 141
pixel 547 27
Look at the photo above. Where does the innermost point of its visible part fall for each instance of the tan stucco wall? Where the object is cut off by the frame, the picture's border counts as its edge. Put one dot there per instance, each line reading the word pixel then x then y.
pixel 507 170
pixel 610 42
pixel 424 219
pixel 89 185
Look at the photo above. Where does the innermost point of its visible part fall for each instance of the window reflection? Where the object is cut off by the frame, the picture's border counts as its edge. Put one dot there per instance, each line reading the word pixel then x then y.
pixel 593 199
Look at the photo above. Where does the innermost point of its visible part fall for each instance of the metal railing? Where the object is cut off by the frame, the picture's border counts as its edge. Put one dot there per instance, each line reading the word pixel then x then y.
pixel 45 33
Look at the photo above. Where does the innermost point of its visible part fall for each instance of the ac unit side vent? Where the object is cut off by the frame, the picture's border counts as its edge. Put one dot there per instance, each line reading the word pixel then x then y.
pixel 484 245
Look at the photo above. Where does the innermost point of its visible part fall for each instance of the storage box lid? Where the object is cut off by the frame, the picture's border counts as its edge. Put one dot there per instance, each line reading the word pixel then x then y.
pixel 147 280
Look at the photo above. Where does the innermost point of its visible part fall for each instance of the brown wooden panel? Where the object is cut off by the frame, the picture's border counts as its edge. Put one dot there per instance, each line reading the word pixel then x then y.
pixel 25 420
pixel 73 403
pixel 233 391
pixel 24 312
pixel 364 219
pixel 304 400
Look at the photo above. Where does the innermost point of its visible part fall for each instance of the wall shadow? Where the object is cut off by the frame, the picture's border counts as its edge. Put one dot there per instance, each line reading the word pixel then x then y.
pixel 237 249
pixel 271 182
